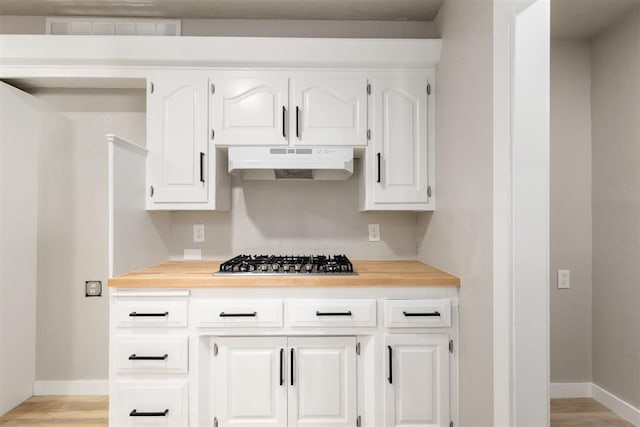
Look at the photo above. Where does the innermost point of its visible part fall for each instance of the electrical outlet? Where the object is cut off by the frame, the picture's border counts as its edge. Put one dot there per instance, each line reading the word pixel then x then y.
pixel 198 233
pixel 93 288
pixel 374 232
pixel 564 279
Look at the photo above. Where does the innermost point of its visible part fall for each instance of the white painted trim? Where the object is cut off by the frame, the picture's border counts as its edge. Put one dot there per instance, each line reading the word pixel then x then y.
pixel 617 405
pixel 131 51
pixel 570 390
pixel 503 374
pixel 71 388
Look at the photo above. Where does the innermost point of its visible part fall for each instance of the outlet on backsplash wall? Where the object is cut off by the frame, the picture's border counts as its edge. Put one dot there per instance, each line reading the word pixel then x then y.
pixel 295 217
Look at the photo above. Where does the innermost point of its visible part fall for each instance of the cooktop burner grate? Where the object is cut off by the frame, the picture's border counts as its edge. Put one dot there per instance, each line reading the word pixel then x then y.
pixel 287 264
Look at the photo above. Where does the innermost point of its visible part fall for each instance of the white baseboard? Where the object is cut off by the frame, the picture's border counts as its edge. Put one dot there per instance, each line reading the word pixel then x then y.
pixel 71 388
pixel 569 390
pixel 617 405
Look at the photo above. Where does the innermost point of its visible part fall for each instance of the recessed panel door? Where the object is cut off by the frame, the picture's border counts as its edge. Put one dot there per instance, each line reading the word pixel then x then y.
pixel 249 109
pixel 177 135
pixel 400 134
pixel 249 384
pixel 323 390
pixel 417 380
pixel 329 109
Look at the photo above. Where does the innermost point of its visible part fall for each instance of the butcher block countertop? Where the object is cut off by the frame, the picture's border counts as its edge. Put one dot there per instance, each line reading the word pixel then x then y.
pixel 199 274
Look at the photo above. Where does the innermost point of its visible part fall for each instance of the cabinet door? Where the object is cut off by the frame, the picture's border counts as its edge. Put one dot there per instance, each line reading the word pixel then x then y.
pixel 417 380
pixel 322 392
pixel 249 386
pixel 329 109
pixel 400 134
pixel 249 110
pixel 177 135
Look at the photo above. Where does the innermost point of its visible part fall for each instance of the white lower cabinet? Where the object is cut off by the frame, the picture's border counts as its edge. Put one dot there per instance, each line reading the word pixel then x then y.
pixel 366 357
pixel 417 380
pixel 280 381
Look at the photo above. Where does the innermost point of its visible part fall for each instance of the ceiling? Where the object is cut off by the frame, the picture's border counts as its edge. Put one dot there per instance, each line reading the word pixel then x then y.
pixel 570 19
pixel 581 19
pixel 413 10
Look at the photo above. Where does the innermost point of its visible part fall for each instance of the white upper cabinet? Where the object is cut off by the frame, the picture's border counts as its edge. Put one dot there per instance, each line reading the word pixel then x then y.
pixel 180 165
pixel 280 108
pixel 399 166
pixel 417 380
pixel 329 109
pixel 248 108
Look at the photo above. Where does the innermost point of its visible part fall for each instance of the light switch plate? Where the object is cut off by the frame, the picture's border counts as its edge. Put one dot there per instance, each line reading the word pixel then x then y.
pixel 564 279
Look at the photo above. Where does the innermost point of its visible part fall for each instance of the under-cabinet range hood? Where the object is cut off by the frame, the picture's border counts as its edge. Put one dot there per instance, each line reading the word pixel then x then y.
pixel 325 163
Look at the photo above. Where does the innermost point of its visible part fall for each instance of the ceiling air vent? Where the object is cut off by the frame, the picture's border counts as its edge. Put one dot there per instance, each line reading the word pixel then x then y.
pixel 93 26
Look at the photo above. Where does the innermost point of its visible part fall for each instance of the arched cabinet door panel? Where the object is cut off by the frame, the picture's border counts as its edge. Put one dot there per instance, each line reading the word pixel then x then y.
pixel 249 109
pixel 177 141
pixel 329 109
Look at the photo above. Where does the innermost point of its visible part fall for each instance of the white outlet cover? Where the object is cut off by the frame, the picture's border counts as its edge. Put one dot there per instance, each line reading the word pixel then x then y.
pixel 198 233
pixel 374 232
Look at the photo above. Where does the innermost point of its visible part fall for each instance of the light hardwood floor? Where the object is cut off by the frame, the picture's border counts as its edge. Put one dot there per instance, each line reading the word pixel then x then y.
pixel 583 412
pixel 56 411
pixel 91 411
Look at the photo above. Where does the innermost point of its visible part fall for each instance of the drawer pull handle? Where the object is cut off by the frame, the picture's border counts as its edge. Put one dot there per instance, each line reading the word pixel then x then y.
pixel 135 413
pixel 135 357
pixel 223 314
pixel 334 313
pixel 390 377
pixel 434 314
pixel 134 314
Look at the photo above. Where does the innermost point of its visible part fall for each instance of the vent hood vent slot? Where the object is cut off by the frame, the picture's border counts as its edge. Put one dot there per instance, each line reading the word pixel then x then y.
pixel 271 163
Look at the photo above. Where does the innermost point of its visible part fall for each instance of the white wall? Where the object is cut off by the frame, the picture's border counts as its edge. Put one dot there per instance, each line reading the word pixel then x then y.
pixel 72 330
pixel 20 128
pixel 458 235
pixel 615 86
pixel 570 211
pixel 296 217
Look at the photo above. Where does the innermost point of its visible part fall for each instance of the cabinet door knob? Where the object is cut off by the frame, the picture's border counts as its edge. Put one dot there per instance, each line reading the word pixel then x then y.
pixel 298 122
pixel 379 158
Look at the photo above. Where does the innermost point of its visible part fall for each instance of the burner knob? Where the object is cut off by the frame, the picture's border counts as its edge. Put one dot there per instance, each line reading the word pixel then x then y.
pixel 286 267
pixel 308 268
pixel 298 267
pixel 275 267
pixel 264 267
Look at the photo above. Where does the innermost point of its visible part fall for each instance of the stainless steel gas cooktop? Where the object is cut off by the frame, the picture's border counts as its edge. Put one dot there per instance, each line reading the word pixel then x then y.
pixel 284 265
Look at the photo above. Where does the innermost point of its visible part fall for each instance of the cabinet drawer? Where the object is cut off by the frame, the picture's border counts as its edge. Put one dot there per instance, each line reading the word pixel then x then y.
pixel 425 313
pixel 238 313
pixel 150 314
pixel 331 312
pixel 151 403
pixel 139 354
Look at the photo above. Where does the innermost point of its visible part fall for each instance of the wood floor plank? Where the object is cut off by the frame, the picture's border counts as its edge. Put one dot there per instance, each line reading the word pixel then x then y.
pixel 583 412
pixel 56 411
